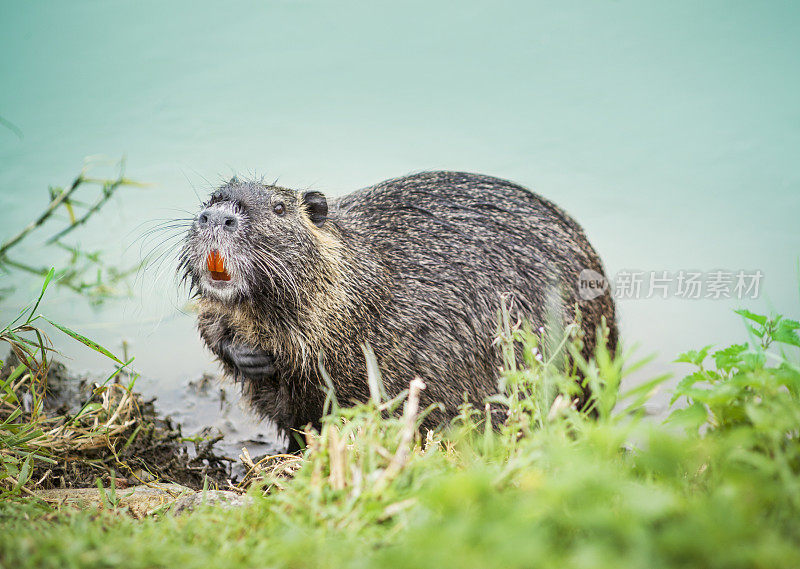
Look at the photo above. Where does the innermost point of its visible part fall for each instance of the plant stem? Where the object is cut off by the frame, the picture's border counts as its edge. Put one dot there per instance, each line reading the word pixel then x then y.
pixel 57 201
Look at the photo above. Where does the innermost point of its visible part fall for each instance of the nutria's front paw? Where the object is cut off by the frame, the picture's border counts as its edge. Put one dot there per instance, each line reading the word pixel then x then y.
pixel 253 363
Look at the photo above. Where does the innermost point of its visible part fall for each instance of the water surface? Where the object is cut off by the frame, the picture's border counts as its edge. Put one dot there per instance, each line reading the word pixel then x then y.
pixel 669 131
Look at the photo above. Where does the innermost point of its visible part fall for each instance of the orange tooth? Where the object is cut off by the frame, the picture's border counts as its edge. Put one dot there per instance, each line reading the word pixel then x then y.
pixel 216 266
pixel 215 262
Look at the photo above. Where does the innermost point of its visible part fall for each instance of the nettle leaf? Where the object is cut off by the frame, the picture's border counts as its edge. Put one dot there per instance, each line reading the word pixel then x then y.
pixel 720 394
pixel 695 395
pixel 748 384
pixel 759 318
pixel 730 357
pixel 695 357
pixel 789 377
pixel 686 384
pixel 753 361
pixel 759 333
pixel 786 332
pixel 690 418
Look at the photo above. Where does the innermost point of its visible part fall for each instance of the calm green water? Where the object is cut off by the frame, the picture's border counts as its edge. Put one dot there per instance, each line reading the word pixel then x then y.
pixel 671 131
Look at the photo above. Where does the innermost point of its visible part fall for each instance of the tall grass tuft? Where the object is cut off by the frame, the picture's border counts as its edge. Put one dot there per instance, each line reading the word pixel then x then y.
pixel 27 433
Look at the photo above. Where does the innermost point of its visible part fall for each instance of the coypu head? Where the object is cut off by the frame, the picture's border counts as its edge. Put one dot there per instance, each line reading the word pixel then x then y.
pixel 255 243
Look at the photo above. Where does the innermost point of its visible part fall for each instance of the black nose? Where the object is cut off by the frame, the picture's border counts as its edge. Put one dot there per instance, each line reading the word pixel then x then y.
pixel 214 217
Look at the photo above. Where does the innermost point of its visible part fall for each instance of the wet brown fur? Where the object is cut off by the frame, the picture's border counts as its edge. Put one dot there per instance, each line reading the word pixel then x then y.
pixel 415 267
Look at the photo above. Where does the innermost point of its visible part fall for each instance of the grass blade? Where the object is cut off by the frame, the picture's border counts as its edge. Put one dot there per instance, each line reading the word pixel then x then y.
pixel 87 342
pixel 47 280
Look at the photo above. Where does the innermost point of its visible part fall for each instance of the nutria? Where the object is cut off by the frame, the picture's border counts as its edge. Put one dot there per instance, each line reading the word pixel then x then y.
pixel 413 267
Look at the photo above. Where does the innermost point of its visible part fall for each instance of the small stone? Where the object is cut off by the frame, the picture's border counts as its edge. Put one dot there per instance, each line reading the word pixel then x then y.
pixel 217 498
pixel 138 500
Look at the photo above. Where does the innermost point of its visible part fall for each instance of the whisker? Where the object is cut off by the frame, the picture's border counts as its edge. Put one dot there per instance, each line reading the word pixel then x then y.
pixel 147 242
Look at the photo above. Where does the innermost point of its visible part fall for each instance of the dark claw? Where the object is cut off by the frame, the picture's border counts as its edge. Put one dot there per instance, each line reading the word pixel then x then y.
pixel 252 363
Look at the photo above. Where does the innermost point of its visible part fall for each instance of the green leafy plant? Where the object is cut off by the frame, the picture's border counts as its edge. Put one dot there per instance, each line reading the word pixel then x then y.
pixel 750 395
pixel 83 272
pixel 748 384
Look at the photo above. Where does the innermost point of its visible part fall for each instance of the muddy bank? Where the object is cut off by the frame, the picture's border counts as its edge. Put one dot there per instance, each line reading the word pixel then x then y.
pixel 102 432
pixel 207 404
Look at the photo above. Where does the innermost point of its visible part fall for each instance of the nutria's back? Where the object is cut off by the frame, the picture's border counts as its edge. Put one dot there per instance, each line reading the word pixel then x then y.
pixel 415 267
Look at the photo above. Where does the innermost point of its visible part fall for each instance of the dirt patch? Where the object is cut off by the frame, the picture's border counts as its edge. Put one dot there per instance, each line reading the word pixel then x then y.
pixel 94 431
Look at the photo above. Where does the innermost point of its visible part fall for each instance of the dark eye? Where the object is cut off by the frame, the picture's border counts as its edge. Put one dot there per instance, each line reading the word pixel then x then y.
pixel 279 208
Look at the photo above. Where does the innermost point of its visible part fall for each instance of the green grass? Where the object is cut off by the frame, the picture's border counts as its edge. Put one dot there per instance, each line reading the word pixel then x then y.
pixel 29 437
pixel 714 486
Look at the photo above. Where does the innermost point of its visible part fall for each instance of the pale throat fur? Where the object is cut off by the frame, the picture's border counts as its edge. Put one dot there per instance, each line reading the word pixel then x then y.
pixel 319 309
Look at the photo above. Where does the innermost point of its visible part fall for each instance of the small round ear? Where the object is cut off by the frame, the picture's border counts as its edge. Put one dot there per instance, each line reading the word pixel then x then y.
pixel 317 207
